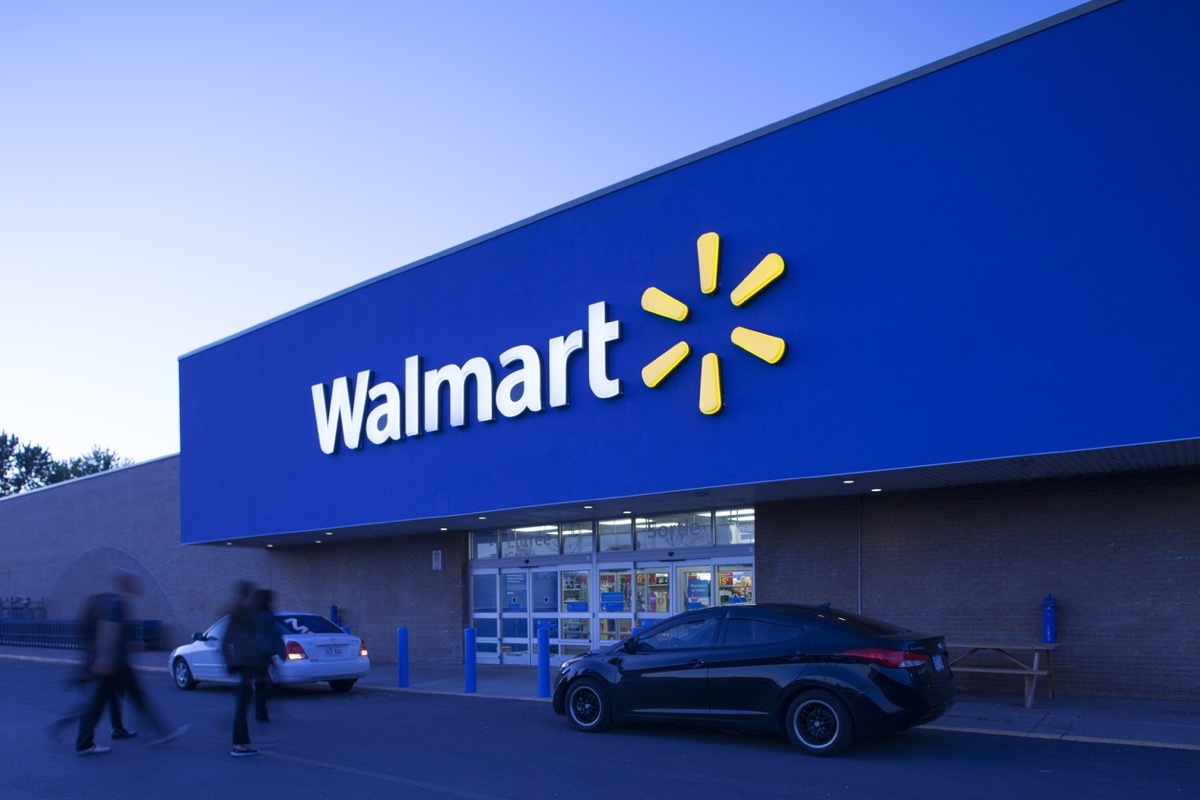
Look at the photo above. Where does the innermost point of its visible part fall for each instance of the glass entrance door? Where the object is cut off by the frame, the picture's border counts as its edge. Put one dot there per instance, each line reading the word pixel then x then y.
pixel 615 586
pixel 514 617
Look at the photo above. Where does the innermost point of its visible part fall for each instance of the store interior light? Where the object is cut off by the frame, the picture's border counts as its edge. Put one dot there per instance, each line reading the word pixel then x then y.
pixel 877 490
pixel 848 482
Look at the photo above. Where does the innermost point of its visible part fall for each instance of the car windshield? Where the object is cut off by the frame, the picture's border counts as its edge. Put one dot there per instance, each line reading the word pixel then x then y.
pixel 305 623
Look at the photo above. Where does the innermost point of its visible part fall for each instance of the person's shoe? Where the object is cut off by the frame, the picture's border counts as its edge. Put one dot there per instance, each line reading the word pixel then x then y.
pixel 94 750
pixel 242 750
pixel 121 733
pixel 172 736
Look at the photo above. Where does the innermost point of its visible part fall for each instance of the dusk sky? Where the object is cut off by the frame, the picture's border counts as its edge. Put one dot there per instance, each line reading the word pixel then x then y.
pixel 174 173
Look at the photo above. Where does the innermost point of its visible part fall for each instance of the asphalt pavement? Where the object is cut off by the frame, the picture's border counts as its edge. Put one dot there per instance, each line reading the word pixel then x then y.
pixel 1129 722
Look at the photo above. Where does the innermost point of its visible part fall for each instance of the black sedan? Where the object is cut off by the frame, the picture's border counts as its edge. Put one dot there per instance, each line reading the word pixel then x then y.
pixel 822 675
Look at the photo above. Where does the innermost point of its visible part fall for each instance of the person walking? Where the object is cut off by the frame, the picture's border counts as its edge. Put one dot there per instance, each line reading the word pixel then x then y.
pixel 112 675
pixel 268 645
pixel 252 640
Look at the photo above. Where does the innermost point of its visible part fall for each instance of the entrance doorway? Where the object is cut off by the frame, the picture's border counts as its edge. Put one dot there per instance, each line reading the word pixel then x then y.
pixel 585 606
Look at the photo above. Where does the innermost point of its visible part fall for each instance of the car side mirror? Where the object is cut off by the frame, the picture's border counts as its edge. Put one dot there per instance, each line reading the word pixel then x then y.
pixel 197 637
pixel 630 645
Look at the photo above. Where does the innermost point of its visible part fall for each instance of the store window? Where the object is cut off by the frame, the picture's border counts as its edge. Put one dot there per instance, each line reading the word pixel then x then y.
pixel 574 591
pixel 578 537
pixel 616 534
pixel 675 530
pixel 735 584
pixel 736 526
pixel 652 590
pixel 533 540
pixel 483 545
pixel 694 586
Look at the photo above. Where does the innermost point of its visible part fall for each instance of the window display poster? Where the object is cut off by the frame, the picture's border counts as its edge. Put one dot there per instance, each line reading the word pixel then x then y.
pixel 612 601
pixel 697 592
pixel 516 591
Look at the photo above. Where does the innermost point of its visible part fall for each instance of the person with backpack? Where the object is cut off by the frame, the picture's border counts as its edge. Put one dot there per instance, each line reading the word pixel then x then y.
pixel 110 671
pixel 252 639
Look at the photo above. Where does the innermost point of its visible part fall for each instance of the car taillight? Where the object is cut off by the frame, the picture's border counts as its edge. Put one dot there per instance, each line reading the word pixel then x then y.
pixel 295 652
pixel 888 658
pixel 362 647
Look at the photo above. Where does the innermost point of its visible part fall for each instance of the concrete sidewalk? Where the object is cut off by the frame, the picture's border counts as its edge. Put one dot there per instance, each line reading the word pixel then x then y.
pixel 1141 723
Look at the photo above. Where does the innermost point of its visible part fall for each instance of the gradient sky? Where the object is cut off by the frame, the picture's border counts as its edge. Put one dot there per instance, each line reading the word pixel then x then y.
pixel 172 173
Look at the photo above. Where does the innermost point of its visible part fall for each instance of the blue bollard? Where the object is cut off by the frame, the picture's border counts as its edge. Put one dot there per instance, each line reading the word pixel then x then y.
pixel 543 662
pixel 1049 619
pixel 469 658
pixel 402 656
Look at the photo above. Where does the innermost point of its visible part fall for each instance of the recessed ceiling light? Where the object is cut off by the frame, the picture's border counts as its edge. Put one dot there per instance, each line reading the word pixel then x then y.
pixel 626 512
pixel 270 546
pixel 848 481
pixel 445 529
pixel 587 506
pixel 227 544
pixel 483 517
pixel 329 533
pixel 877 490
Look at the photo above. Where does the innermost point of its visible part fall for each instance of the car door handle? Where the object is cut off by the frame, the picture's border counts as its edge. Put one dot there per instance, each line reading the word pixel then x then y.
pixel 696 663
pixel 795 657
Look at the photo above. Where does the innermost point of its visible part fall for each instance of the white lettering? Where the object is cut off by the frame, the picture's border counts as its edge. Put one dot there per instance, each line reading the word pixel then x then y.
pixel 561 348
pixel 527 378
pixel 407 411
pixel 455 377
pixel 383 423
pixel 339 411
pixel 600 332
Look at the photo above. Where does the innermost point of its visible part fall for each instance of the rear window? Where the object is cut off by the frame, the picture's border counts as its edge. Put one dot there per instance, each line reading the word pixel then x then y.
pixel 305 623
pixel 859 624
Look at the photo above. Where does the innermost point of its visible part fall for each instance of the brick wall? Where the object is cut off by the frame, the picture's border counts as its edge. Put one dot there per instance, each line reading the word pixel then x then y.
pixel 1121 555
pixel 380 585
pixel 62 543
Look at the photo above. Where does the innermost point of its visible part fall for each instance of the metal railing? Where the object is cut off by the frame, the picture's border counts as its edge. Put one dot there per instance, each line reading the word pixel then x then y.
pixel 67 634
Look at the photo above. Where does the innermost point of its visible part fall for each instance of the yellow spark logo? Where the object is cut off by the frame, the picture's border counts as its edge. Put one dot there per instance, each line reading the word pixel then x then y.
pixel 763 345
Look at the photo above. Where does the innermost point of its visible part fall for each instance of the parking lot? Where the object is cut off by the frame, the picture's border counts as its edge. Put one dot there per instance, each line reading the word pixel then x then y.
pixel 436 742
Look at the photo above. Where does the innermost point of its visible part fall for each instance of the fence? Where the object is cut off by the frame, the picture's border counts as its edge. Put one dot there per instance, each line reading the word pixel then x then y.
pixel 22 608
pixel 67 634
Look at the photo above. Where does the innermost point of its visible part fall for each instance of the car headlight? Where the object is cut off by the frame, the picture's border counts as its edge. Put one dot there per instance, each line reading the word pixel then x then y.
pixel 570 662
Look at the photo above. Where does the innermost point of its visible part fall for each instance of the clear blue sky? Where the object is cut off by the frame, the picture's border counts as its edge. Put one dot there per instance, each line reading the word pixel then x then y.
pixel 172 173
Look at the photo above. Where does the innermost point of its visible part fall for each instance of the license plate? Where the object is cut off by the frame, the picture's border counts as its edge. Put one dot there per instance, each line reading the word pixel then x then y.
pixel 333 650
pixel 938 663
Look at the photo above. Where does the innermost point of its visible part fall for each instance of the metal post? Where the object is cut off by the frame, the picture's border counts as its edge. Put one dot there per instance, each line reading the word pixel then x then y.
pixel 543 662
pixel 402 656
pixel 469 658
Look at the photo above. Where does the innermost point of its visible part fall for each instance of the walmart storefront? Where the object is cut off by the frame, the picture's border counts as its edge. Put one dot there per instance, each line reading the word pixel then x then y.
pixel 928 352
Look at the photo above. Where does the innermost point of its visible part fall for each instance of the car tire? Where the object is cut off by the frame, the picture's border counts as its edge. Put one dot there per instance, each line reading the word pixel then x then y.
pixel 182 675
pixel 819 723
pixel 588 706
pixel 343 686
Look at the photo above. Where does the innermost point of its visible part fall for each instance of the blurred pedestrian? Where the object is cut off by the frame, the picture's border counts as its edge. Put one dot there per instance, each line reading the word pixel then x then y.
pixel 110 672
pixel 252 639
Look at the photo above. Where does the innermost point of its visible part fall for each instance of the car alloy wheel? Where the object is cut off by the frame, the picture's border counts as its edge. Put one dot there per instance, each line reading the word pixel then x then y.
pixel 819 724
pixel 182 674
pixel 587 706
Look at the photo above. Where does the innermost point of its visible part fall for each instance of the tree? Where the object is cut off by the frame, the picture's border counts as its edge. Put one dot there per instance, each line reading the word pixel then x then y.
pixel 25 466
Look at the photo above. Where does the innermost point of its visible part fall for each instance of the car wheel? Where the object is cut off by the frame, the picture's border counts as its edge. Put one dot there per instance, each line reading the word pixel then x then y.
pixel 182 674
pixel 342 687
pixel 819 724
pixel 587 706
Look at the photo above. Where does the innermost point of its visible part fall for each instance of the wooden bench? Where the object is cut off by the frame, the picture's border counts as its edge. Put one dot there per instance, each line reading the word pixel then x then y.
pixel 1030 670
